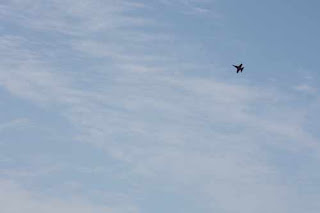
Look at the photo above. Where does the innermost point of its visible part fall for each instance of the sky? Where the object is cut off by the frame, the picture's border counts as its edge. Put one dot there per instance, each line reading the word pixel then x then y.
pixel 134 106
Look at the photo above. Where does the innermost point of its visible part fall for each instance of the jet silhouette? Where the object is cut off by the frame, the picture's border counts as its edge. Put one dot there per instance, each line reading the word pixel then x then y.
pixel 239 68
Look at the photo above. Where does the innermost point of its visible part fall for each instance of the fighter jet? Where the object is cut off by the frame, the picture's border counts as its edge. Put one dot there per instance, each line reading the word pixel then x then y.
pixel 239 68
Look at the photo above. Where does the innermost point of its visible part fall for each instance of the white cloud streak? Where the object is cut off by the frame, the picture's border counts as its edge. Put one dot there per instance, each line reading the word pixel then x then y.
pixel 15 200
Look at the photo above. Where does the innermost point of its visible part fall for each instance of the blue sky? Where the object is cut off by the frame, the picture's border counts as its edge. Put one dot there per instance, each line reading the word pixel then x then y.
pixel 134 106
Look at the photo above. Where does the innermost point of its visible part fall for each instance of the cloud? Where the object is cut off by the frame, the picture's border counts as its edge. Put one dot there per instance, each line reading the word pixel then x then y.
pixel 71 17
pixel 211 136
pixel 306 88
pixel 14 124
pixel 190 7
pixel 15 200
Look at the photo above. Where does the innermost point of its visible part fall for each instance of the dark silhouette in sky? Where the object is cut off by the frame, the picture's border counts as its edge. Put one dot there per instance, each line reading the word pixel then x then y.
pixel 239 68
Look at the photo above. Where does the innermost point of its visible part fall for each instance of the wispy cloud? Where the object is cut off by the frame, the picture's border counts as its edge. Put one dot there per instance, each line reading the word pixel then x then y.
pixel 194 7
pixel 11 195
pixel 71 17
pixel 126 93
pixel 306 88
pixel 14 124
